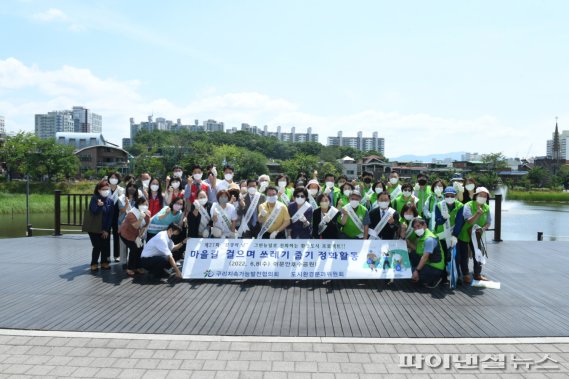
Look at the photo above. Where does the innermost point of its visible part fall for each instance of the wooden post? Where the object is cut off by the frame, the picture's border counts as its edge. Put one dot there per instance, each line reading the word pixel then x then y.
pixel 540 236
pixel 57 216
pixel 498 218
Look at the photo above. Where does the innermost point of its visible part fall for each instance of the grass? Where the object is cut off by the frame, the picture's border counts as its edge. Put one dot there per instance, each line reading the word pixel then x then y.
pixel 538 196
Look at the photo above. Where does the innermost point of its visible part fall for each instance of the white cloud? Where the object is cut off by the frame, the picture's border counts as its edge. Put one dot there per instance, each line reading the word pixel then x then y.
pixel 26 90
pixel 58 16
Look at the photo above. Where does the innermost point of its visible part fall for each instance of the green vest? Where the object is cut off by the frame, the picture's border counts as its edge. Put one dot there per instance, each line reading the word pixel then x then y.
pixel 457 207
pixel 391 188
pixel 440 265
pixel 344 198
pixel 467 227
pixel 399 202
pixel 288 192
pixel 350 229
pixel 422 195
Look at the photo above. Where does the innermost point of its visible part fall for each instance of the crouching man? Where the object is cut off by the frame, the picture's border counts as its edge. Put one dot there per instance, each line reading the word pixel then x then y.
pixel 157 253
pixel 427 260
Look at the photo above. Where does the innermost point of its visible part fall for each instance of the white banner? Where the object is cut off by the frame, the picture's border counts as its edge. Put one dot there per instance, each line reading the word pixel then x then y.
pixel 208 258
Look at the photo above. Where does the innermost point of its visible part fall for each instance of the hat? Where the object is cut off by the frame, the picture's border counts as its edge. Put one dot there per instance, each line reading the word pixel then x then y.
pixel 450 189
pixel 356 192
pixel 457 176
pixel 314 181
pixel 233 186
pixel 482 189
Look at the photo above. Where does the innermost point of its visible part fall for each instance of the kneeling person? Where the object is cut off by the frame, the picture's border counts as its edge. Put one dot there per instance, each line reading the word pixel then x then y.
pixel 157 253
pixel 427 260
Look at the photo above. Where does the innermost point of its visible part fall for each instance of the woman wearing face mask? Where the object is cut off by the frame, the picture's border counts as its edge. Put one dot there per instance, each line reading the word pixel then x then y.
pixel 199 219
pixel 194 185
pixel 469 189
pixel 393 186
pixel 224 217
pixel 175 191
pixel 384 220
pixel 313 189
pixel 355 218
pixel 434 198
pixel 174 213
pixel 475 212
pixel 344 197
pixel 325 219
pixel 445 217
pixel 285 192
pixel 405 197
pixel 408 214
pixel 378 187
pixel 116 192
pixel 132 231
pixel 101 202
pixel 248 211
pixel 125 204
pixel 301 215
pixel 273 216
pixel 155 197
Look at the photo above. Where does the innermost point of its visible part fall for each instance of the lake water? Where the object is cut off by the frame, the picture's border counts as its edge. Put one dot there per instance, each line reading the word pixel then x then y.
pixel 520 222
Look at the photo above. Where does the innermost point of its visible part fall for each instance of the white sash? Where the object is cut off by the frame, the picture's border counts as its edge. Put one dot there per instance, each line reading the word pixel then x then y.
pixel 477 251
pixel 381 224
pixel 332 212
pixel 366 197
pixel 300 212
pixel 312 201
pixel 432 221
pixel 270 220
pixel 396 191
pixel 355 219
pixel 284 198
pixel 447 231
pixel 245 220
pixel 226 221
pixel 205 216
pixel 137 214
pixel 409 228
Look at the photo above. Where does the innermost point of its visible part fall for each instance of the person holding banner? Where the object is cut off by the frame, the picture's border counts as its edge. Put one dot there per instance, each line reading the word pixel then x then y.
pixel 384 220
pixel 427 260
pixel 475 212
pixel 274 216
pixel 249 204
pixel 199 220
pixel 325 219
pixel 223 216
pixel 301 210
pixel 393 187
pixel 157 253
pixel 405 197
pixel 445 217
pixel 355 218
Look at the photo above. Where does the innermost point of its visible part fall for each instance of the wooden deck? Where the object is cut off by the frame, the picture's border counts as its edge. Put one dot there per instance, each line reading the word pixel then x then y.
pixel 45 284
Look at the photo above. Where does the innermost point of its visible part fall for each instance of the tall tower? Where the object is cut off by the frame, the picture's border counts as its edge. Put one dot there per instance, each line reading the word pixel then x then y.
pixel 556 149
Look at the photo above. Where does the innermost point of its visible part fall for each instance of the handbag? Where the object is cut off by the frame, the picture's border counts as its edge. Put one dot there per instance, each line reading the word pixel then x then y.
pixel 92 223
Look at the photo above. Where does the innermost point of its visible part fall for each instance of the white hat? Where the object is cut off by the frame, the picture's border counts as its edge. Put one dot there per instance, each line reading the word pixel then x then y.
pixel 482 189
pixel 314 181
pixel 356 192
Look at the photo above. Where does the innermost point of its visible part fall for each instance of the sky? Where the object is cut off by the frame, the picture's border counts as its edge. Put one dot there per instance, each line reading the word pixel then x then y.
pixel 429 76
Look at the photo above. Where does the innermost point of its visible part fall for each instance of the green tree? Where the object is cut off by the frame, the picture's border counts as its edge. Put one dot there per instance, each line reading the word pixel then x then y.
pixel 301 163
pixel 539 177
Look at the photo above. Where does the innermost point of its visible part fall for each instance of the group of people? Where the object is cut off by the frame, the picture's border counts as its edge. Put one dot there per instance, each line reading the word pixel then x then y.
pixel 150 220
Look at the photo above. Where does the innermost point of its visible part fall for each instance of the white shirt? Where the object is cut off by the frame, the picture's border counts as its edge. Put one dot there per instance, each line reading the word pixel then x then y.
pixel 159 246
pixel 231 213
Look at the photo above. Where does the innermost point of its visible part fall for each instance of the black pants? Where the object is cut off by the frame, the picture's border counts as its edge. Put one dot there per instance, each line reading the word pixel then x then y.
pixel 115 233
pixel 462 258
pixel 427 274
pixel 133 252
pixel 101 248
pixel 155 265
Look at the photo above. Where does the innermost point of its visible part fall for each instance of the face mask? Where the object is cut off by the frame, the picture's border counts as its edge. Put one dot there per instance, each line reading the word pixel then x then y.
pixel 312 192
pixel 329 184
pixel 438 190
pixel 202 201
pixel 394 180
pixel 176 185
pixel 143 208
pixel 300 200
pixel 383 204
pixel 177 174
pixel 154 187
pixel 420 232
pixel 228 177
pixel 378 190
pixel 282 184
pixel 347 192
pixel 197 177
pixel 252 190
pixel 422 182
pixel 131 191
pixel 406 193
pixel 114 181
pixel 145 183
pixel 449 200
pixel 481 200
pixel 177 207
pixel 354 203
pixel 408 217
pixel 325 204
pixel 469 186
pixel 223 200
pixel 104 193
pixel 367 180
pixel 272 199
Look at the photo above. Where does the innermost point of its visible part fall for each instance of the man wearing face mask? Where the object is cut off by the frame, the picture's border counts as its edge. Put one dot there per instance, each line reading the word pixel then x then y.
pixel 434 198
pixel 301 210
pixel 263 183
pixel 250 226
pixel 273 216
pixel 427 260
pixel 393 186
pixel 195 184
pixel 422 191
pixel 330 188
pixel 366 188
pixel 384 220
pixel 228 173
pixel 355 218
pixel 445 217
pixel 405 197
pixel 475 212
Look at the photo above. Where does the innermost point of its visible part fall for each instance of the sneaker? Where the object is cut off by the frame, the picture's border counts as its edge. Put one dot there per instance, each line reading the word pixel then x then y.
pixel 105 266
pixel 434 284
pixel 94 267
